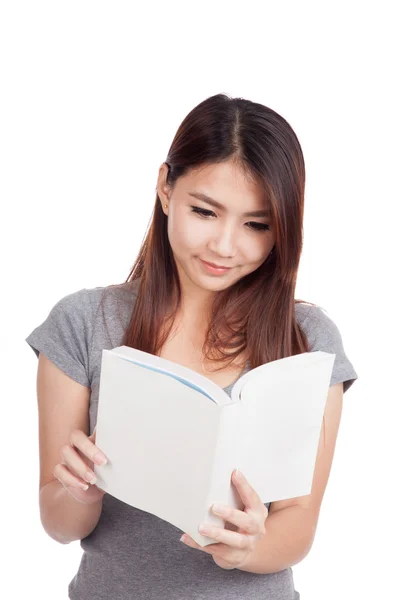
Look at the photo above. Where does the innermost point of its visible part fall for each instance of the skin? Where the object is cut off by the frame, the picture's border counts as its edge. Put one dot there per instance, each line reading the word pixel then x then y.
pixel 225 237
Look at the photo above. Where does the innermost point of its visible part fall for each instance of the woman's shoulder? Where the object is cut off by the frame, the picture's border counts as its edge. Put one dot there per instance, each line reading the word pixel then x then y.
pixel 315 320
pixel 323 333
pixel 90 299
pixel 78 310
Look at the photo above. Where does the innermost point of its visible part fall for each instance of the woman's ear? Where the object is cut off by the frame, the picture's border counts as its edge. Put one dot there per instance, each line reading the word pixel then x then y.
pixel 163 188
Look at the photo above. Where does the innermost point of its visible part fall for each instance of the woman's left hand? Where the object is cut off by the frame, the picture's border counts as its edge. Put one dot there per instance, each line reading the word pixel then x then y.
pixel 235 547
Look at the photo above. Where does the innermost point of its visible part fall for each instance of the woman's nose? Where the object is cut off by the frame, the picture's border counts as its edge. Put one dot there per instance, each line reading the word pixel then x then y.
pixel 224 242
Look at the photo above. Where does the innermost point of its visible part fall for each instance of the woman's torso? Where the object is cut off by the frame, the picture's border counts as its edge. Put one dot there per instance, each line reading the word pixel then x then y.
pixel 135 554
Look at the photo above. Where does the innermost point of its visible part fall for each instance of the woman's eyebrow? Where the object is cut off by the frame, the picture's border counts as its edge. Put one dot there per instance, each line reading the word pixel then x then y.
pixel 215 204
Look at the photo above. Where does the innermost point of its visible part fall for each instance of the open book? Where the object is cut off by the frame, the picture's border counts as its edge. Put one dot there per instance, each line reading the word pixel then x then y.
pixel 173 437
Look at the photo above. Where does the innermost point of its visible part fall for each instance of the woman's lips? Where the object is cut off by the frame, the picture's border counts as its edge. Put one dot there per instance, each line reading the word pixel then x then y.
pixel 213 269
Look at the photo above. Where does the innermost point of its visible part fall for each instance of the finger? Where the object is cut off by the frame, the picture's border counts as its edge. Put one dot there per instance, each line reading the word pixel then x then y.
pixel 76 464
pixel 225 536
pixel 247 493
pixel 64 476
pixel 210 549
pixel 80 440
pixel 189 541
pixel 242 520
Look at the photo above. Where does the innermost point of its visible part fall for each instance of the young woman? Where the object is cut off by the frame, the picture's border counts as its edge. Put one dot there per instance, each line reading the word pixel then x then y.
pixel 212 289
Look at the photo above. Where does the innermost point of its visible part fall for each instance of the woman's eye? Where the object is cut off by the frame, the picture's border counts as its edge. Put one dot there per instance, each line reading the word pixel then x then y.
pixel 201 211
pixel 259 226
pixel 207 213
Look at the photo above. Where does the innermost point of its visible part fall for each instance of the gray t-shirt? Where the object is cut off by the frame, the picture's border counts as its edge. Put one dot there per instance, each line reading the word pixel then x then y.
pixel 132 554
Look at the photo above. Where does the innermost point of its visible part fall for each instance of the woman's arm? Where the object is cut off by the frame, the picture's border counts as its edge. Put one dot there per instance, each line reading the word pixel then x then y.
pixel 288 539
pixel 63 406
pixel 63 518
pixel 291 524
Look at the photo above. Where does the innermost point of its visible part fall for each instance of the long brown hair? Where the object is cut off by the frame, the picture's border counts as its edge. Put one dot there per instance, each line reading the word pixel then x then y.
pixel 257 313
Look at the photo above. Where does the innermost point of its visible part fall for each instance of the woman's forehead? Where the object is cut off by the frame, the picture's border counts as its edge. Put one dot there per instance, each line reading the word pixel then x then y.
pixel 219 182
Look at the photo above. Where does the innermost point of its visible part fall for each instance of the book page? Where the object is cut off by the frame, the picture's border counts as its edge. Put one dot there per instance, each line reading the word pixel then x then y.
pixel 183 374
pixel 159 437
pixel 281 419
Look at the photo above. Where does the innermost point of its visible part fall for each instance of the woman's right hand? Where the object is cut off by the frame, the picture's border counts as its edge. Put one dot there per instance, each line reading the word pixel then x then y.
pixel 78 459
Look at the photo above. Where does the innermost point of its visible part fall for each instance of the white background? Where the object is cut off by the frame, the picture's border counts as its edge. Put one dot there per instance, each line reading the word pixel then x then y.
pixel 92 94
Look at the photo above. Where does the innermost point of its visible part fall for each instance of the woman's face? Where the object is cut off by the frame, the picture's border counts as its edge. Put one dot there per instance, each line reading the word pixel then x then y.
pixel 222 235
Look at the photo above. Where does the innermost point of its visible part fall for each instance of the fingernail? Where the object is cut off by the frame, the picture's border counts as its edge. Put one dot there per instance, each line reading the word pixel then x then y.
pixel 99 458
pixel 90 477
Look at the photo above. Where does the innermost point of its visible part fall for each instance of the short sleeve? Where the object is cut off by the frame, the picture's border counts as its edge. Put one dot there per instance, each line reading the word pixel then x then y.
pixel 65 335
pixel 323 334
